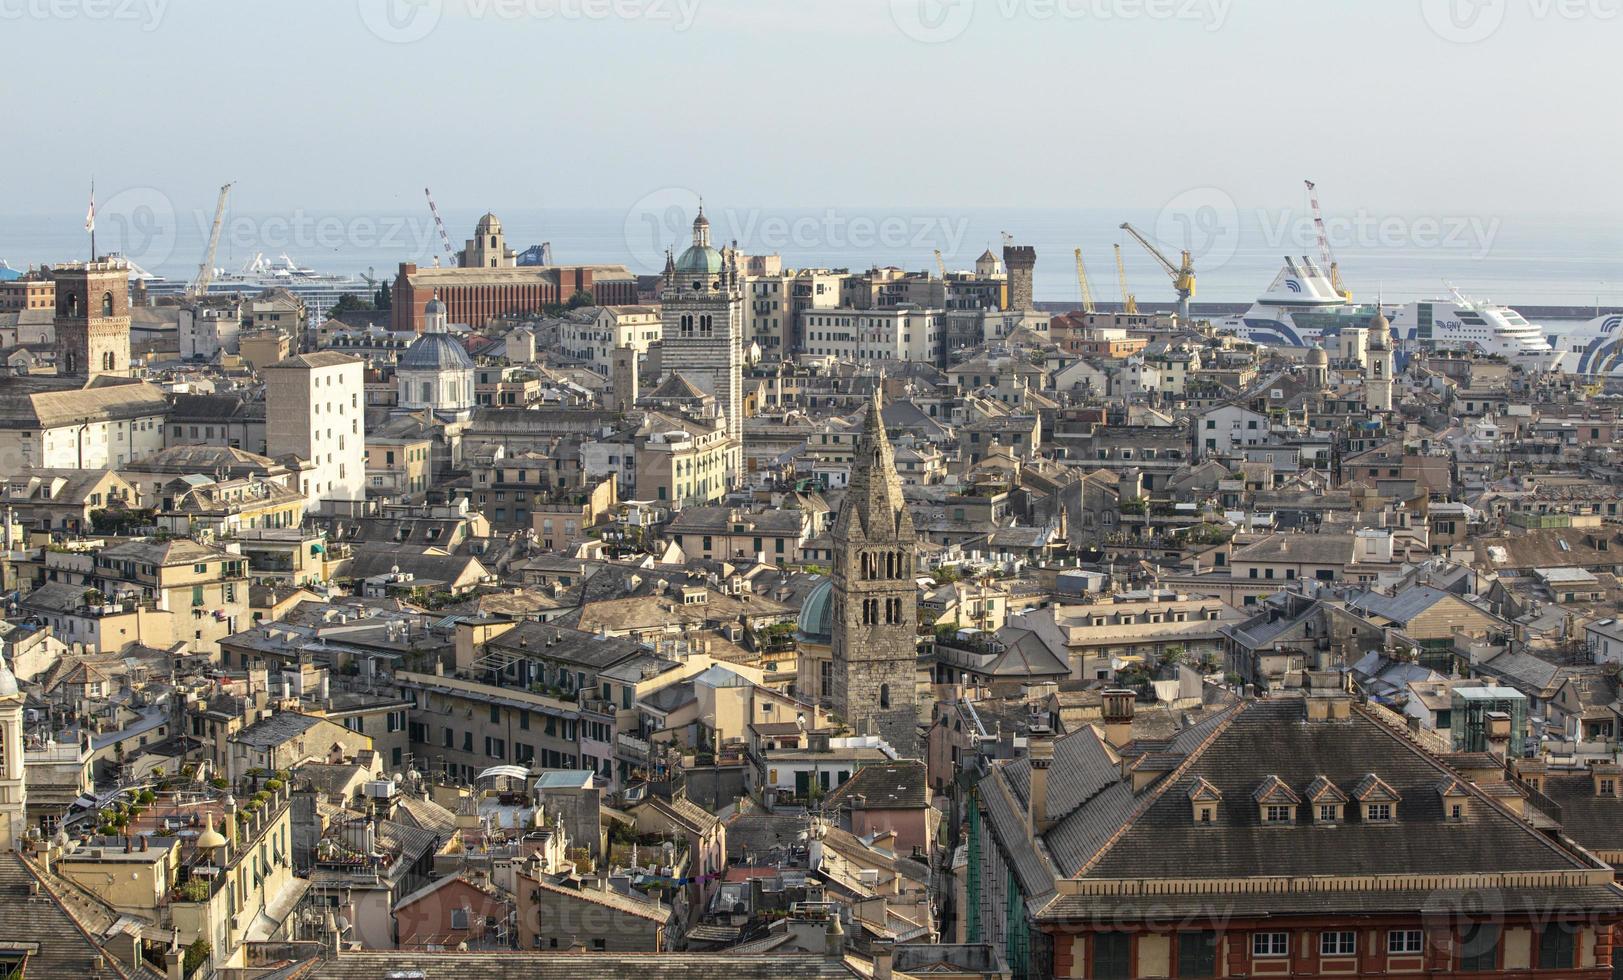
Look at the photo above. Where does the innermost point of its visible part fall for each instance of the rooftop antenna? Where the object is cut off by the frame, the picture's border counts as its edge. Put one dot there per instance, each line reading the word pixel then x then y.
pixel 90 218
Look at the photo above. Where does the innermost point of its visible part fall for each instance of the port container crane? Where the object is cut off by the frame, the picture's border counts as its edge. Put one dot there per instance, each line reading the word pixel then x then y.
pixel 205 271
pixel 1082 283
pixel 1128 303
pixel 1325 255
pixel 1182 274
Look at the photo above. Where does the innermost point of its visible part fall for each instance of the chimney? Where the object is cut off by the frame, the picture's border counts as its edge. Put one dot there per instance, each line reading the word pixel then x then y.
pixel 834 937
pixel 882 960
pixel 1498 733
pixel 1118 716
pixel 1040 753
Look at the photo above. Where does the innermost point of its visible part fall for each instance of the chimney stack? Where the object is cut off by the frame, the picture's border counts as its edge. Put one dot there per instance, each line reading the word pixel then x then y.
pixel 1040 753
pixel 882 968
pixel 1118 716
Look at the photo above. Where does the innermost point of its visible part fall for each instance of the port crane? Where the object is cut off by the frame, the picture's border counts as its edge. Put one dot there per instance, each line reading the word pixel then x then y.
pixel 1325 255
pixel 445 239
pixel 1129 304
pixel 1182 274
pixel 1082 283
pixel 205 271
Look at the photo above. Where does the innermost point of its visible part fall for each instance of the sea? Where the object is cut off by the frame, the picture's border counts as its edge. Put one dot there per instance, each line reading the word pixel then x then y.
pixel 1574 261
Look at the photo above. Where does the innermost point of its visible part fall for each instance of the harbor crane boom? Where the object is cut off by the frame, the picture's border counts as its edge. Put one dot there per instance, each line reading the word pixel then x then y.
pixel 1082 283
pixel 1182 274
pixel 445 239
pixel 1325 255
pixel 1129 304
pixel 205 271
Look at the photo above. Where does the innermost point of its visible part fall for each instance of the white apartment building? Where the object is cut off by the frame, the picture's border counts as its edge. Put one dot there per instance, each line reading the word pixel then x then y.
pixel 206 332
pixel 315 409
pixel 613 328
pixel 902 334
pixel 73 428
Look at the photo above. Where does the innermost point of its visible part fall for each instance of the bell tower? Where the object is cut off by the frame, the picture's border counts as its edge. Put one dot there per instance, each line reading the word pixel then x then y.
pixel 874 642
pixel 92 319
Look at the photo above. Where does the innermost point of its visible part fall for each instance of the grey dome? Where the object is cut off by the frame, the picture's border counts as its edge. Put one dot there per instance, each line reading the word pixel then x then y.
pixel 435 352
pixel 434 306
pixel 816 622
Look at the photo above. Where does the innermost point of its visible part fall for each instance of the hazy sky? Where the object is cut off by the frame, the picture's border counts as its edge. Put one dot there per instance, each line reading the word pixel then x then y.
pixel 1394 106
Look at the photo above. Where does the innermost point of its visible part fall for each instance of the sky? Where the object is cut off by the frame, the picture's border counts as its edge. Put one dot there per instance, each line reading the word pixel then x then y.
pixel 1401 106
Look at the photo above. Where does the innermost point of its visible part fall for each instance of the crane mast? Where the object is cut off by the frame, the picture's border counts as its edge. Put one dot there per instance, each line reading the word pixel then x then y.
pixel 1325 255
pixel 1129 304
pixel 1182 274
pixel 1082 283
pixel 445 239
pixel 205 271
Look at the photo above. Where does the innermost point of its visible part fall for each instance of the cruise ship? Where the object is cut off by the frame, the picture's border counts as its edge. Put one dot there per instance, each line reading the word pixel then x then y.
pixel 1301 306
pixel 320 291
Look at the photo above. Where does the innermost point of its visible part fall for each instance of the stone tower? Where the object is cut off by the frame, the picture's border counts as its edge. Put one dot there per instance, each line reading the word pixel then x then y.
pixel 93 319
pixel 487 249
pixel 1378 365
pixel 702 321
pixel 13 790
pixel 874 622
pixel 1021 262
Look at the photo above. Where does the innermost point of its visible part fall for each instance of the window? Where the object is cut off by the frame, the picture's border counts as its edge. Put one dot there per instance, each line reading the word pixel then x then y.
pixel 1277 813
pixel 1327 812
pixel 1556 947
pixel 1378 812
pixel 1111 955
pixel 459 918
pixel 1405 941
pixel 1479 948
pixel 1338 943
pixel 1270 944
pixel 1197 954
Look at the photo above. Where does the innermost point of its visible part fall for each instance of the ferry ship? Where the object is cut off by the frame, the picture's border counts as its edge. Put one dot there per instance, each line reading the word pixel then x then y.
pixel 319 291
pixel 1594 347
pixel 1302 307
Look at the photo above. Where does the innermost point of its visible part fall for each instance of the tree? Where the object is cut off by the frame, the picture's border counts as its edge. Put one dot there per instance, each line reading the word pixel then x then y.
pixel 349 303
pixel 196 954
pixel 580 299
pixel 383 299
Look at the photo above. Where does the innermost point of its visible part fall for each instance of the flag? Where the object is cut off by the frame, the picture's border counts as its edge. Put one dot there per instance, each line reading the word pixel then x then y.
pixel 90 216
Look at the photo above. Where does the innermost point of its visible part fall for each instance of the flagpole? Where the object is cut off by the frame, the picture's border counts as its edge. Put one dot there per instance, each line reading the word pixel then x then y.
pixel 91 219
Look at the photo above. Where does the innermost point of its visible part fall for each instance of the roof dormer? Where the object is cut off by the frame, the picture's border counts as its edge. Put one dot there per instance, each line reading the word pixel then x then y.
pixel 1377 799
pixel 1455 798
pixel 1328 801
pixel 1204 798
pixel 1276 802
pixel 1605 778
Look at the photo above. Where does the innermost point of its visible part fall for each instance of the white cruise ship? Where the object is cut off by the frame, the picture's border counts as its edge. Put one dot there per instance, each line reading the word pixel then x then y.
pixel 320 291
pixel 1301 307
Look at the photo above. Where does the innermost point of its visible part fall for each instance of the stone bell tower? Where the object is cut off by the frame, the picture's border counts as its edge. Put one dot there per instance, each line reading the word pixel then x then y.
pixel 874 642
pixel 92 319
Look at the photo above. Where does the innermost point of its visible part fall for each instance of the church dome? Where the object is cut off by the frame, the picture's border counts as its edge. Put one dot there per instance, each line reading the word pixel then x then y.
pixel 488 225
pixel 1317 357
pixel 434 307
pixel 699 260
pixel 435 352
pixel 816 622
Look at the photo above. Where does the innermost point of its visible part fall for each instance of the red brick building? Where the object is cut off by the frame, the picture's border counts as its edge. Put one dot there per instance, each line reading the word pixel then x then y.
pixel 476 296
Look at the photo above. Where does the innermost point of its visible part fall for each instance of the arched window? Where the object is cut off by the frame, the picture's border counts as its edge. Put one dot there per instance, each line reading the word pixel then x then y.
pixel 106 304
pixel 492 244
pixel 884 695
pixel 71 307
pixel 107 361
